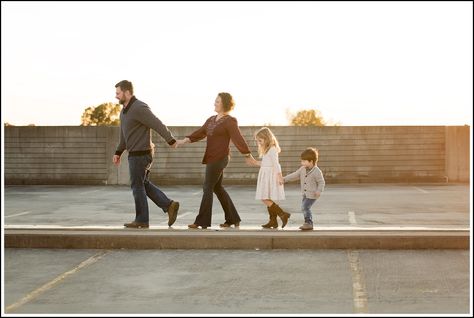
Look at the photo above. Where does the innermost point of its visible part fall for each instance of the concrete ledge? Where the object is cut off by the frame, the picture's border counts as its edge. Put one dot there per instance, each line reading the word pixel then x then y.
pixel 103 238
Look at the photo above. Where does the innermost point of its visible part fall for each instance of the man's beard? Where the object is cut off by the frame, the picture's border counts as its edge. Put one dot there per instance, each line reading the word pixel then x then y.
pixel 122 101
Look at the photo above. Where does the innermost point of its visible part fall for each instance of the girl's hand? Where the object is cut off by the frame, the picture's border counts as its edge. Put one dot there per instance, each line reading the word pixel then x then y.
pixel 280 179
pixel 256 162
pixel 251 161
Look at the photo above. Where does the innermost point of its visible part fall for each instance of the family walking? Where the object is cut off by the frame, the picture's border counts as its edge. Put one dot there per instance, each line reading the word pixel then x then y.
pixel 136 122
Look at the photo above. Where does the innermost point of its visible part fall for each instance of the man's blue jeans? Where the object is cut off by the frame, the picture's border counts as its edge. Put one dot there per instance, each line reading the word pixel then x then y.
pixel 139 167
pixel 306 205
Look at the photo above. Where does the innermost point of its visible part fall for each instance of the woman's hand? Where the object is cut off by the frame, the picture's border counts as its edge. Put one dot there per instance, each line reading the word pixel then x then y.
pixel 250 160
pixel 182 142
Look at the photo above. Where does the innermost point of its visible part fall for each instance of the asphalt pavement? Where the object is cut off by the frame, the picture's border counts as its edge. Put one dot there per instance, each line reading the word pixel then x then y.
pixel 239 281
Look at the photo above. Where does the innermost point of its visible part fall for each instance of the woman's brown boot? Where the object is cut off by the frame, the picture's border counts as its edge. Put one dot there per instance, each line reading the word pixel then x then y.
pixel 284 216
pixel 272 223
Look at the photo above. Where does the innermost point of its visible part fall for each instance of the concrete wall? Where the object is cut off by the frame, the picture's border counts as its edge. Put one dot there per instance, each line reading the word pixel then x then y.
pixel 457 153
pixel 348 154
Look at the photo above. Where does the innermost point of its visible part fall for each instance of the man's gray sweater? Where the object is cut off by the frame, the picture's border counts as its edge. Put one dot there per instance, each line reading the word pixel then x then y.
pixel 136 122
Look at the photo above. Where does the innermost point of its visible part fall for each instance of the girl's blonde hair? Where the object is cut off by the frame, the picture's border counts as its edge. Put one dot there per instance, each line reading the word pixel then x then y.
pixel 269 140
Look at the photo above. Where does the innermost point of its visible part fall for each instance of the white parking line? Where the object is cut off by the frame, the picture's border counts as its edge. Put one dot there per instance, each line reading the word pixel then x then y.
pixel 37 292
pixel 18 214
pixel 359 293
pixel 352 218
pixel 420 189
pixel 88 192
pixel 183 215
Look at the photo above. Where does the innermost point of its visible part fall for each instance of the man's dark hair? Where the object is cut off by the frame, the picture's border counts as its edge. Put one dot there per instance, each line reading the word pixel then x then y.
pixel 125 86
pixel 310 154
pixel 227 101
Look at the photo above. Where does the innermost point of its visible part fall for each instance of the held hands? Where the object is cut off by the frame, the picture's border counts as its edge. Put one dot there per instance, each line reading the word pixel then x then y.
pixel 180 142
pixel 280 179
pixel 250 160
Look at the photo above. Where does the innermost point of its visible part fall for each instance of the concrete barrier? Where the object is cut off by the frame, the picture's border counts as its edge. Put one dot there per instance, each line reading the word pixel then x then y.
pixel 457 153
pixel 348 154
pixel 236 239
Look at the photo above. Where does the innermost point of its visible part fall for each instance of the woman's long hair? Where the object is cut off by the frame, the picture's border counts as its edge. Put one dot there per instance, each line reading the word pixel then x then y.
pixel 269 140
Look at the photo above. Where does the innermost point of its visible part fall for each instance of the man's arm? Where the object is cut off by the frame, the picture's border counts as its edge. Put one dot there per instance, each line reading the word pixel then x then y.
pixel 149 119
pixel 121 145
pixel 120 148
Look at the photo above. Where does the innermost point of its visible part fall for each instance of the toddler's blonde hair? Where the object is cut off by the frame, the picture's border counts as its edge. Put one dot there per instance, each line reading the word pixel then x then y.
pixel 269 140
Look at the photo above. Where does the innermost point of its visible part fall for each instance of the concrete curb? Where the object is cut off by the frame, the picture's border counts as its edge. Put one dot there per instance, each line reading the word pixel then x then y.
pixel 103 238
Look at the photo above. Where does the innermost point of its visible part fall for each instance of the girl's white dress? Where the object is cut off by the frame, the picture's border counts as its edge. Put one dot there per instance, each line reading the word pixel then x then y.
pixel 267 181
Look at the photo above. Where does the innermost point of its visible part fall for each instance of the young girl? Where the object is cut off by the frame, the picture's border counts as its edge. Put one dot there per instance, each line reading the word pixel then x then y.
pixel 270 179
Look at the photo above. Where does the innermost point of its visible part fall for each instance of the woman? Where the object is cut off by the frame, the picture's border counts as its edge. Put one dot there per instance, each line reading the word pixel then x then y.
pixel 219 130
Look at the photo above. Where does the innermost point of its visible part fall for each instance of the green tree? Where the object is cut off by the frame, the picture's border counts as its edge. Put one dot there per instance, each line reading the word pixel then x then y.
pixel 310 117
pixel 106 114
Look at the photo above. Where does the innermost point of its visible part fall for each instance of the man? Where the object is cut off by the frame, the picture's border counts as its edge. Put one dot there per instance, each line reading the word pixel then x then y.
pixel 136 122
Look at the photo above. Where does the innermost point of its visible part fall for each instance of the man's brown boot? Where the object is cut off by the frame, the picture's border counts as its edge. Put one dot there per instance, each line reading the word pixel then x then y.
pixel 136 225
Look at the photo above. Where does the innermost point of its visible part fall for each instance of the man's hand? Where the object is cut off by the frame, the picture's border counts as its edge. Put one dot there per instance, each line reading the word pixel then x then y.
pixel 116 160
pixel 180 143
pixel 175 145
pixel 317 194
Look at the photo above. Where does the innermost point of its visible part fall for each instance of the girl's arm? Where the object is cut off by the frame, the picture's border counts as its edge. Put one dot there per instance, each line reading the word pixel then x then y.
pixel 273 154
pixel 281 180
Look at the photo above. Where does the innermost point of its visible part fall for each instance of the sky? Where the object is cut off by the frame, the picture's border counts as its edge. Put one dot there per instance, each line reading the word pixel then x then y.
pixel 358 63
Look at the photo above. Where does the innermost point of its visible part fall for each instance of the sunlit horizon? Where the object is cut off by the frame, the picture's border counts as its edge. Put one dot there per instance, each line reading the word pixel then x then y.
pixel 358 63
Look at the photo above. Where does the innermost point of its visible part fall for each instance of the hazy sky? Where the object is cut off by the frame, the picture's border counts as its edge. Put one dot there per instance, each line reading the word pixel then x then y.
pixel 364 63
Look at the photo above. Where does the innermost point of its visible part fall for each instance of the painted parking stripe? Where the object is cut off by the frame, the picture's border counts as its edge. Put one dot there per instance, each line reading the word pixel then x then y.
pixel 17 214
pixel 359 293
pixel 88 192
pixel 420 190
pixel 37 292
pixel 352 218
pixel 180 216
